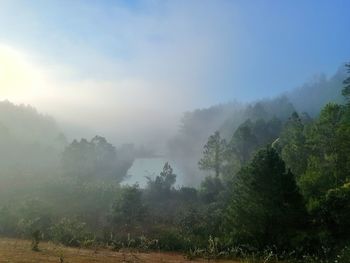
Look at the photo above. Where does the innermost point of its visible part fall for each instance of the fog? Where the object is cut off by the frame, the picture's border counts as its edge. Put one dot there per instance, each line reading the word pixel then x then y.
pixel 212 128
pixel 162 76
pixel 131 67
pixel 130 70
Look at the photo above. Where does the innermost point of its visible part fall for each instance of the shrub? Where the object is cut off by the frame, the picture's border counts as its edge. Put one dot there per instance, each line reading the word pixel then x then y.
pixel 36 237
pixel 70 233
pixel 343 256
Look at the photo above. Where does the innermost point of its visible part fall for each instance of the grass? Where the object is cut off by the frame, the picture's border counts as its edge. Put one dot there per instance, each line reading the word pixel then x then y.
pixel 19 251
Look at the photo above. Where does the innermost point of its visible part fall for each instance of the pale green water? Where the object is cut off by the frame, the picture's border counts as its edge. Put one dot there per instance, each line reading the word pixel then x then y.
pixel 150 167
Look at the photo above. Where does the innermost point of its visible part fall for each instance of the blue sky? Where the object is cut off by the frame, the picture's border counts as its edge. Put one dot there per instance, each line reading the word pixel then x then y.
pixel 165 56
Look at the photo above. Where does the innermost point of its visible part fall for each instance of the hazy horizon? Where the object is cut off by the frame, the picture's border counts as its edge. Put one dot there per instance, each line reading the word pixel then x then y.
pixel 129 69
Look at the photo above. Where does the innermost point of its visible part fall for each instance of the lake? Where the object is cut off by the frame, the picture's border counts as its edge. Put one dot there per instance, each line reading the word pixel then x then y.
pixel 149 167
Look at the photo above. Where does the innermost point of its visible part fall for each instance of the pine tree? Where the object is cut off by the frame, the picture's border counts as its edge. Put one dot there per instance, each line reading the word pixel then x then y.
pixel 213 154
pixel 266 206
pixel 346 89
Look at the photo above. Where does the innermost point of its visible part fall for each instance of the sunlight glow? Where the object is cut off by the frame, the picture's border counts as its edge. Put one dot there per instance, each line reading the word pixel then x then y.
pixel 19 79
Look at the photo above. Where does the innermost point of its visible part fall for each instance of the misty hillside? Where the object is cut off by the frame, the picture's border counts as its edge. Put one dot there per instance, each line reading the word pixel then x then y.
pixel 26 124
pixel 27 134
pixel 313 95
pixel 31 143
pixel 186 147
pixel 196 126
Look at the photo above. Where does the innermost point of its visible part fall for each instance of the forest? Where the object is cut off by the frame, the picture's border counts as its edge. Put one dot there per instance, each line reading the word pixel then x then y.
pixel 277 185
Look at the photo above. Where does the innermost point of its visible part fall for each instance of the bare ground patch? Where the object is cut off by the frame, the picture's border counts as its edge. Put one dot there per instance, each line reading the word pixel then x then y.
pixel 19 251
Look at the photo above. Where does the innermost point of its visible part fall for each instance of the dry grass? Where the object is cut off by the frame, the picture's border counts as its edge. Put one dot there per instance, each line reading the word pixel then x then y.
pixel 19 251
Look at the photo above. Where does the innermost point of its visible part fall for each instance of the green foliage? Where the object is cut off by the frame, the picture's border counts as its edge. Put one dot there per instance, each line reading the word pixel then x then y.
pixel 210 189
pixel 170 240
pixel 210 252
pixel 164 182
pixel 213 154
pixel 95 159
pixel 70 232
pixel 213 248
pixel 244 141
pixel 346 89
pixel 328 158
pixel 336 207
pixel 343 256
pixel 293 143
pixel 249 137
pixel 266 207
pixel 29 145
pixel 36 237
pixel 129 210
pixel 33 216
pixel 141 243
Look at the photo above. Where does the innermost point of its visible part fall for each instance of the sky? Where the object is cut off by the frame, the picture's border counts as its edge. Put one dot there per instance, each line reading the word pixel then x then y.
pixel 132 65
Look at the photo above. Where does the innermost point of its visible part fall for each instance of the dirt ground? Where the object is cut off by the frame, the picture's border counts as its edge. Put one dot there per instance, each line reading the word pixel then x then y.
pixel 19 251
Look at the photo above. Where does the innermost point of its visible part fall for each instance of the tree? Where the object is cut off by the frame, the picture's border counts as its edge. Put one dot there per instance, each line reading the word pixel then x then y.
pixel 337 211
pixel 129 210
pixel 36 237
pixel 252 135
pixel 213 154
pixel 293 143
pixel 324 183
pixel 346 89
pixel 95 159
pixel 167 176
pixel 210 189
pixel 243 142
pixel 266 208
pixel 327 159
pixel 160 195
pixel 164 182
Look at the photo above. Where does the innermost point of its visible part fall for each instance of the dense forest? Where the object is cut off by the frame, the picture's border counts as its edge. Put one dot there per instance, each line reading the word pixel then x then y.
pixel 277 184
pixel 196 126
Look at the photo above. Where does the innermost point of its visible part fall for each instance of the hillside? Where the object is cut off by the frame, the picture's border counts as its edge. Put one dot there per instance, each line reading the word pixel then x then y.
pixel 26 124
pixel 314 94
pixel 30 143
pixel 185 149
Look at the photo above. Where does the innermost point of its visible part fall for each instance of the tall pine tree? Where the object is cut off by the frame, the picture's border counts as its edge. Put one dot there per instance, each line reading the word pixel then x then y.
pixel 266 208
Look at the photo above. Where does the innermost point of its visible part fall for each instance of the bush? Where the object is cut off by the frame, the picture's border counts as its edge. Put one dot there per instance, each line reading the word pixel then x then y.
pixel 141 243
pixel 36 237
pixel 171 240
pixel 343 256
pixel 71 233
